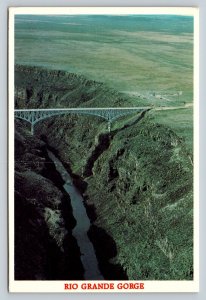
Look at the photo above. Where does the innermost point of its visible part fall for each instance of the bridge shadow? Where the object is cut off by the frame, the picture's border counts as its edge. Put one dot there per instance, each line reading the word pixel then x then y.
pixel 103 144
pixel 104 141
pixel 139 118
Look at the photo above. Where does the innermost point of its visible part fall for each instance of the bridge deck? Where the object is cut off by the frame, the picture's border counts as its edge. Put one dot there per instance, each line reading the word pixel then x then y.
pixel 110 114
pixel 84 109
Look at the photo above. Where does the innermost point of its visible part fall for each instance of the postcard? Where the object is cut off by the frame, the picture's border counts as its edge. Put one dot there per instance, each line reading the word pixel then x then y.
pixel 103 149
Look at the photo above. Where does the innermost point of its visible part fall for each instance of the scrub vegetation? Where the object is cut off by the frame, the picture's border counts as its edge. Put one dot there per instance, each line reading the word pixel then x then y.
pixel 137 180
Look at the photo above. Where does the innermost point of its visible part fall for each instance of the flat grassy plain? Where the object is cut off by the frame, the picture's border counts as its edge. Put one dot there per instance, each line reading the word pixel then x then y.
pixel 131 54
pixel 180 121
pixel 135 55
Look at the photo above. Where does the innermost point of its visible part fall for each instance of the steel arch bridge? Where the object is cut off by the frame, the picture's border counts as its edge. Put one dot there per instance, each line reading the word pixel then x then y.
pixel 33 116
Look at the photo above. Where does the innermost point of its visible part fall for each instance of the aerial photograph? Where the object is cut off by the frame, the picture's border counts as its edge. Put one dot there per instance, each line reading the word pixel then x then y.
pixel 103 113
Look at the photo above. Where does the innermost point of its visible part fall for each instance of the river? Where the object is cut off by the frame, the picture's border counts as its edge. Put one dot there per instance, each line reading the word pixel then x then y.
pixel 88 256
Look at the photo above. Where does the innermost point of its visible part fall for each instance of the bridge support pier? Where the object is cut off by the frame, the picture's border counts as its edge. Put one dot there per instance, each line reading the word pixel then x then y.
pixel 32 129
pixel 33 116
pixel 109 126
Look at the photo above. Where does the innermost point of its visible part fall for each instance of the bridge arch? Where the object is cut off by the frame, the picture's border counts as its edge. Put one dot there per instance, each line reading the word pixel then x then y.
pixel 34 116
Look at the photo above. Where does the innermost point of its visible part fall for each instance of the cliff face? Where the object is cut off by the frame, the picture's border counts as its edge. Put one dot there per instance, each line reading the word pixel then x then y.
pixel 142 191
pixel 136 181
pixel 36 87
pixel 139 190
pixel 44 245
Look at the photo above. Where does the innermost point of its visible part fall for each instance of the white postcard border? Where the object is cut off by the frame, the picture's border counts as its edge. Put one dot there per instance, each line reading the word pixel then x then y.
pixel 58 286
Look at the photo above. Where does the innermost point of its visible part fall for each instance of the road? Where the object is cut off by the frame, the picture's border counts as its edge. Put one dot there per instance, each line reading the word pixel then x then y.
pixel 188 105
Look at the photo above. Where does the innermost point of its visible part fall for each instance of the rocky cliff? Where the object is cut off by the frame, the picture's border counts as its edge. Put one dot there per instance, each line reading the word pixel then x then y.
pixel 136 180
